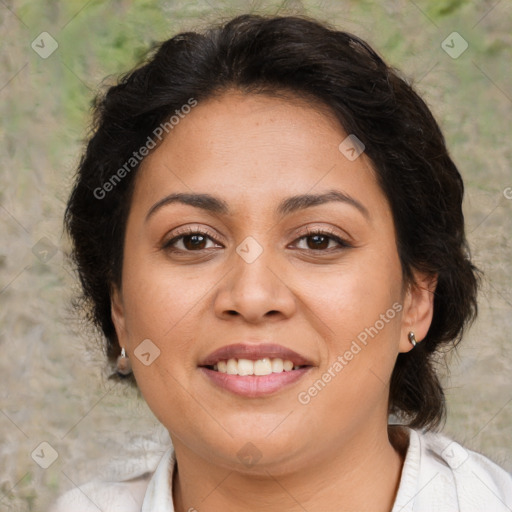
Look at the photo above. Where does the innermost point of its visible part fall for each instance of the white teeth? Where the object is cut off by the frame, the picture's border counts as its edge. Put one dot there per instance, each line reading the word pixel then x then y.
pixel 264 366
pixel 277 365
pixel 245 367
pixel 287 365
pixel 232 367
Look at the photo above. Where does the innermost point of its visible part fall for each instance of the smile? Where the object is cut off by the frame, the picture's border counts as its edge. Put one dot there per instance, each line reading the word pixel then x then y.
pixel 246 378
pixel 259 367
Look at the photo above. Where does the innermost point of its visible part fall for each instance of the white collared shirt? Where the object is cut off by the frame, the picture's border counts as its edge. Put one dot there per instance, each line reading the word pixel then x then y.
pixel 438 475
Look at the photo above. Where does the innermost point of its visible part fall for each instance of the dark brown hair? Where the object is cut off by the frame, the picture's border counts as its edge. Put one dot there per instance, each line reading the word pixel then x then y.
pixel 258 54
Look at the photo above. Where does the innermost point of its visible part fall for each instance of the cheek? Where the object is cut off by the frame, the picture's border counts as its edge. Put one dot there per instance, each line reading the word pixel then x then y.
pixel 361 313
pixel 352 297
pixel 160 310
pixel 354 382
pixel 155 298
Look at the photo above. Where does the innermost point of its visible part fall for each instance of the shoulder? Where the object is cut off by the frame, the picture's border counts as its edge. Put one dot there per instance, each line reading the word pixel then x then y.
pixel 480 483
pixel 126 496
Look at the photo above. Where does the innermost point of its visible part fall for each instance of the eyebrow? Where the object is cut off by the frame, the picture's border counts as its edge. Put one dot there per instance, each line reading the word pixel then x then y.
pixel 289 205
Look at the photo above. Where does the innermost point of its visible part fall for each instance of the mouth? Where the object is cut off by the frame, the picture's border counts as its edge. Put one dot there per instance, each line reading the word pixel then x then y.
pixel 254 359
pixel 254 370
pixel 258 367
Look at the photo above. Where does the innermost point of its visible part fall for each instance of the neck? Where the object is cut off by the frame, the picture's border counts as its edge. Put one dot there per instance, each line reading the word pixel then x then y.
pixel 363 474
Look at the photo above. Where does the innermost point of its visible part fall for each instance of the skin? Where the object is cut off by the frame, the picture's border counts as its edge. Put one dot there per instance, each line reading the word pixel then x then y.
pixel 253 151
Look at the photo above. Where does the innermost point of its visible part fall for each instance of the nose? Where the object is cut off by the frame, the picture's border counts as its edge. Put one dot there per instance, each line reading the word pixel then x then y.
pixel 254 289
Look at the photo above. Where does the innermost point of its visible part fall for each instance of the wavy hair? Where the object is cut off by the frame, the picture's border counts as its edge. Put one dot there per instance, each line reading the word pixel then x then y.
pixel 303 57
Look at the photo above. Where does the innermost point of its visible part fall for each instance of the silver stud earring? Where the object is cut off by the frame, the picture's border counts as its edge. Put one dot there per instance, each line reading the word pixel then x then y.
pixel 412 339
pixel 123 366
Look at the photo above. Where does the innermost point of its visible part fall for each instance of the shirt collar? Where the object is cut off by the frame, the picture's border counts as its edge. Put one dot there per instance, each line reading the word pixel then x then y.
pixel 407 488
pixel 159 492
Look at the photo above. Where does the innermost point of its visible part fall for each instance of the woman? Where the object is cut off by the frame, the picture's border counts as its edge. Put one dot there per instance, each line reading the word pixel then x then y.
pixel 268 229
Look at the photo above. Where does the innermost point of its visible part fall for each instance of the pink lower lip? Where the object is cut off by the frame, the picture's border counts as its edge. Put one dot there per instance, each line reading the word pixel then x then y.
pixel 253 386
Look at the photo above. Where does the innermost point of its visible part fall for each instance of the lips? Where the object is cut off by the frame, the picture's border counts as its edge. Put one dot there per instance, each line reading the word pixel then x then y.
pixel 254 370
pixel 254 352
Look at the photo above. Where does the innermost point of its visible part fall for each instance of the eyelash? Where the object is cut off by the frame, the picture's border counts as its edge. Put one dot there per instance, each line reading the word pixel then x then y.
pixel 310 232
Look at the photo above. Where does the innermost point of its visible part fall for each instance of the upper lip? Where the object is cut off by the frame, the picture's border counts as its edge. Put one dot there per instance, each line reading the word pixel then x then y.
pixel 254 352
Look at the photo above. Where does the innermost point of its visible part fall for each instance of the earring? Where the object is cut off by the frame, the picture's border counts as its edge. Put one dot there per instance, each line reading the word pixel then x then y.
pixel 123 366
pixel 412 339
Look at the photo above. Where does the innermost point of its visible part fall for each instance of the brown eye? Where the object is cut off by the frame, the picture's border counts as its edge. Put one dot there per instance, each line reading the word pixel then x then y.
pixel 190 241
pixel 320 240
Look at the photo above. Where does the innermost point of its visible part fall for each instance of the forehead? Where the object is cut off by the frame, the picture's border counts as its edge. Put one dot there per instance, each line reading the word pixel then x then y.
pixel 243 124
pixel 256 147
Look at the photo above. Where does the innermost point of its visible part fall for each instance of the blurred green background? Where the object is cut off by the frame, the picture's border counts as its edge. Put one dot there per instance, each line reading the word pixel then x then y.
pixel 54 386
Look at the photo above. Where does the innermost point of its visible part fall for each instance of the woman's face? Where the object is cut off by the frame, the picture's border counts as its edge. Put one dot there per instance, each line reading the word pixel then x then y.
pixel 243 266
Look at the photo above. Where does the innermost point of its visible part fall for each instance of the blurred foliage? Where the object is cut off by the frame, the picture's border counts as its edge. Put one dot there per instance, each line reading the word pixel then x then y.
pixel 101 39
pixel 440 8
pixel 94 37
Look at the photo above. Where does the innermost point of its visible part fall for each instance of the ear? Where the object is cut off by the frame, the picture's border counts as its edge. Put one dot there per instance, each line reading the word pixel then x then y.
pixel 418 309
pixel 117 314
